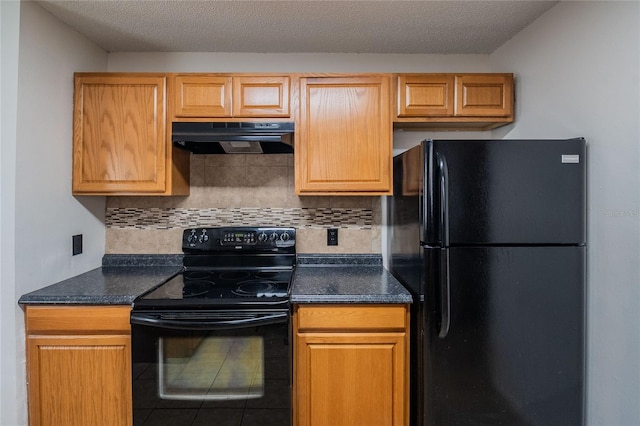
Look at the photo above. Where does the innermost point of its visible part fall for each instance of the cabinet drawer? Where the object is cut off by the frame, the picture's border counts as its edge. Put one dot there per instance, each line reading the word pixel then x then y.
pixel 56 319
pixel 351 317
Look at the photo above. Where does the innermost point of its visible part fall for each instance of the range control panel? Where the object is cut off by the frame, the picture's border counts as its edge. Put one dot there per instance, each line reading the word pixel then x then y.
pixel 238 238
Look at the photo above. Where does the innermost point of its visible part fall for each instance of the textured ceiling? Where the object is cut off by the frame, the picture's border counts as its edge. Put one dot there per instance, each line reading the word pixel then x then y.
pixel 398 26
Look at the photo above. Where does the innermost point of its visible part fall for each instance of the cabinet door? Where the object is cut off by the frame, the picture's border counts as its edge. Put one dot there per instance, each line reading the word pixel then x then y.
pixel 425 95
pixel 344 136
pixel 202 96
pixel 350 379
pixel 484 95
pixel 79 380
pixel 119 134
pixel 261 96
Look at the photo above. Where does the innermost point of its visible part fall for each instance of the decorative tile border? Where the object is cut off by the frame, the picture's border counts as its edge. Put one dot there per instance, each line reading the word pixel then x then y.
pixel 169 218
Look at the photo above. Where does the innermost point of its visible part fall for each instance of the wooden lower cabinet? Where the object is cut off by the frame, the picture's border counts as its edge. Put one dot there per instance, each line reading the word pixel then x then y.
pixel 351 365
pixel 78 365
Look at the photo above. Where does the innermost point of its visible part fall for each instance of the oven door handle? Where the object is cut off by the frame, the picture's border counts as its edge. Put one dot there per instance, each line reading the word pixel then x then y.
pixel 207 320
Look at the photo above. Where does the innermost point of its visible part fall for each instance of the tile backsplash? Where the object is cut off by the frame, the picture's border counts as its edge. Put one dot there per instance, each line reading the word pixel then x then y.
pixel 242 190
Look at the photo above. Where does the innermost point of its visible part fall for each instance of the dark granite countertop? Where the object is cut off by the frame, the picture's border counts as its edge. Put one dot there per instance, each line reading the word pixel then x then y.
pixel 318 279
pixel 120 280
pixel 346 279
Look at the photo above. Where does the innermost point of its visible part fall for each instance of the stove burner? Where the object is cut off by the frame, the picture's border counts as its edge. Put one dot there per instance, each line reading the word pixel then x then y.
pixel 234 275
pixel 253 287
pixel 196 288
pixel 197 275
pixel 266 274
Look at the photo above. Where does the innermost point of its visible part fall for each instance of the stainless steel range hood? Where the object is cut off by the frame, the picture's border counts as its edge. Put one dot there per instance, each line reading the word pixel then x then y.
pixel 234 138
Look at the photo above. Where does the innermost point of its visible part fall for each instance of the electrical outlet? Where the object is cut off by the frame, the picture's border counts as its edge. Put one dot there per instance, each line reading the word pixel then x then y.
pixel 332 236
pixel 77 244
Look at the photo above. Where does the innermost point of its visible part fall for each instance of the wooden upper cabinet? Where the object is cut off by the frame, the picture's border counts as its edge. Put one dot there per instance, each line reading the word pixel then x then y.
pixel 232 96
pixel 202 96
pixel 261 96
pixel 120 137
pixel 454 101
pixel 484 95
pixel 344 136
pixel 419 96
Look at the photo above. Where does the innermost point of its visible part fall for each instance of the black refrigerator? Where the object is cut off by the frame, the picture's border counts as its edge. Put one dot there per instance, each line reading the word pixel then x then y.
pixel 490 237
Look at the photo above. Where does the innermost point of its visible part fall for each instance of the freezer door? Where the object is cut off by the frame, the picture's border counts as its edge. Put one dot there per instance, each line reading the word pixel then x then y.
pixel 513 351
pixel 480 192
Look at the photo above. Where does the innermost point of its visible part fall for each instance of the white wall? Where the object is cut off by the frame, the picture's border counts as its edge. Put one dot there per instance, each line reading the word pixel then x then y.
pixel 47 214
pixel 294 62
pixel 577 73
pixel 10 18
pixel 39 215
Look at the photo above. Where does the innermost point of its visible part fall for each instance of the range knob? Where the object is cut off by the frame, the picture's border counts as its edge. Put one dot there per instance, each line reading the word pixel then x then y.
pixel 273 236
pixel 262 237
pixel 285 236
pixel 192 236
pixel 203 237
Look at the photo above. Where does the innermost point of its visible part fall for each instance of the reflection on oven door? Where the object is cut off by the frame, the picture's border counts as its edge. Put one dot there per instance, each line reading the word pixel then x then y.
pixel 211 367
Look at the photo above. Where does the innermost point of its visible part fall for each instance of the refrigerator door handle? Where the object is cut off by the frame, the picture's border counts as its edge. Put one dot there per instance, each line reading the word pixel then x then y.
pixel 445 295
pixel 443 177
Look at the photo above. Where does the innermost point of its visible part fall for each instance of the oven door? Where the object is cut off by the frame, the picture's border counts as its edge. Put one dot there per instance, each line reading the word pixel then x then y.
pixel 210 367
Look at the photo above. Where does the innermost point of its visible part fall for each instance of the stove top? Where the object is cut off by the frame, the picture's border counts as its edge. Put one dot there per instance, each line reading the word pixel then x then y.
pixel 229 267
pixel 232 284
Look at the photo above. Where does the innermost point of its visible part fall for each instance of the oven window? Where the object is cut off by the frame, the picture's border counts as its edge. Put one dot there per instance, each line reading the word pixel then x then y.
pixel 211 367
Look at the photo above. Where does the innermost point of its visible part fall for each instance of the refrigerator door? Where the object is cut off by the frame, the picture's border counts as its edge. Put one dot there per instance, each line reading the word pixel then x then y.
pixel 404 213
pixel 513 351
pixel 480 192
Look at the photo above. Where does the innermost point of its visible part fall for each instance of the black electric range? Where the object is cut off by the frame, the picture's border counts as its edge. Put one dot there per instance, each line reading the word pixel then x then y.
pixel 211 344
